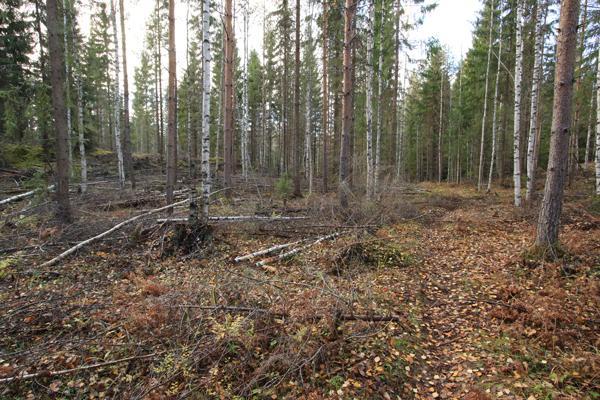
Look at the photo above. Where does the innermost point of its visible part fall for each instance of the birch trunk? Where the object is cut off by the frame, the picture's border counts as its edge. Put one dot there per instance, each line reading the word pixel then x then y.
pixel 485 98
pixel 81 128
pixel 117 102
pixel 496 101
pixel 369 102
pixel 550 211
pixel 379 108
pixel 206 76
pixel 348 91
pixel 172 109
pixel 325 90
pixel 517 111
pixel 535 89
pixel 228 83
pixel 588 137
pixel 297 140
pixel 128 157
pixel 57 79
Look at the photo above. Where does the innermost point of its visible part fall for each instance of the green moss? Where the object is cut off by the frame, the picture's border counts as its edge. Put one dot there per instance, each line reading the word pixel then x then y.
pixel 20 156
pixel 6 264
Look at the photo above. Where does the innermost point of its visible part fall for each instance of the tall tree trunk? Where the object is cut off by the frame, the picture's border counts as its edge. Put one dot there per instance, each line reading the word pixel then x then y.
pixel 549 219
pixel 127 152
pixel 228 81
pixel 308 141
pixel 441 124
pixel 369 102
pixel 535 90
pixel 325 84
pixel 598 124
pixel 66 10
pixel 396 118
pixel 485 97
pixel 43 128
pixel 172 110
pixel 574 146
pixel 496 101
pixel 206 76
pixel 348 92
pixel 117 101
pixel 379 107
pixel 245 153
pixel 57 79
pixel 518 77
pixel 297 135
pixel 80 124
pixel 159 94
pixel 588 137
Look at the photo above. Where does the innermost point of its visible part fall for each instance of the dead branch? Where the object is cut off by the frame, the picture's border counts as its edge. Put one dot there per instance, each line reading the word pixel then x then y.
pixel 267 251
pixel 71 370
pixel 22 195
pixel 108 232
pixel 236 218
pixel 296 250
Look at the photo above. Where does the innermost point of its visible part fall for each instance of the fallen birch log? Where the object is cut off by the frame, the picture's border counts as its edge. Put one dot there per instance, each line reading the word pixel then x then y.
pixel 23 195
pixel 71 370
pixel 236 218
pixel 297 250
pixel 267 251
pixel 108 232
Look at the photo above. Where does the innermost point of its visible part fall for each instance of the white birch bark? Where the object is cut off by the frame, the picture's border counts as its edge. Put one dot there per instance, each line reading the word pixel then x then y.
pixel 517 110
pixel 68 86
pixel 535 90
pixel 496 100
pixel 485 98
pixel 117 101
pixel 379 108
pixel 188 134
pixel 206 59
pixel 80 128
pixel 589 132
pixel 369 101
pixel 598 124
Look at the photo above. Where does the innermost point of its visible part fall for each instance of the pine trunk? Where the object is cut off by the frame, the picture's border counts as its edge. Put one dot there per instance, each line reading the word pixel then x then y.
pixel 549 219
pixel 172 109
pixel 369 103
pixel 379 108
pixel 66 9
pixel 348 91
pixel 598 124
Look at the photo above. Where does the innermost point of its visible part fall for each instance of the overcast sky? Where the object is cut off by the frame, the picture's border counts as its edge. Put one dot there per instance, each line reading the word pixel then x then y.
pixel 451 22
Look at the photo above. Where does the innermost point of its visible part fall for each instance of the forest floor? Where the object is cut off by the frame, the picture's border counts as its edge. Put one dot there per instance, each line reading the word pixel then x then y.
pixel 427 293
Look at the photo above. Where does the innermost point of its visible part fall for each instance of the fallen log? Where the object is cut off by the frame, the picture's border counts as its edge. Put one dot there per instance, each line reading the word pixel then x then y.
pixel 23 195
pixel 71 370
pixel 297 250
pixel 236 218
pixel 108 232
pixel 267 251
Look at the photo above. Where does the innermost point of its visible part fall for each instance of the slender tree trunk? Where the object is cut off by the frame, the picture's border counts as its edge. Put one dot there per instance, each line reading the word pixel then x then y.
pixel 574 147
pixel 518 77
pixel 441 124
pixel 117 102
pixel 127 152
pixel 188 115
pixel 588 137
pixel 308 142
pixel 160 122
pixel 221 105
pixel 206 76
pixel 66 10
pixel 598 124
pixel 80 124
pixel 245 153
pixel 172 110
pixel 325 84
pixel 43 124
pixel 228 81
pixel 396 120
pixel 297 135
pixel 485 97
pixel 379 108
pixel 369 102
pixel 348 91
pixel 57 79
pixel 496 101
pixel 549 219
pixel 535 90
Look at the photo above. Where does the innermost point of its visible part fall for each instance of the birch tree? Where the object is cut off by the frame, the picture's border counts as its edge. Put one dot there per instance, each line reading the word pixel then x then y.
pixel 245 127
pixel 80 124
pixel 496 101
pixel 550 211
pixel 128 158
pixel 57 80
pixel 297 136
pixel 598 124
pixel 228 83
pixel 535 90
pixel 206 77
pixel 117 101
pixel 485 97
pixel 66 9
pixel 369 102
pixel 517 110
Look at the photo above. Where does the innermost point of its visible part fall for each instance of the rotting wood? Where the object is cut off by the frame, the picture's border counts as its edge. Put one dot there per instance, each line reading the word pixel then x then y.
pixel 297 250
pixel 267 251
pixel 236 218
pixel 22 195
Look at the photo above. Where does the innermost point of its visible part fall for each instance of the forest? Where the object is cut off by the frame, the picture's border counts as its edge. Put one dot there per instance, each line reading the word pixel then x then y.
pixel 299 199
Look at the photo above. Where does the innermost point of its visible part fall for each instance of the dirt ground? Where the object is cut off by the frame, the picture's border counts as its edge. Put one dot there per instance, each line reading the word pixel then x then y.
pixel 428 293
